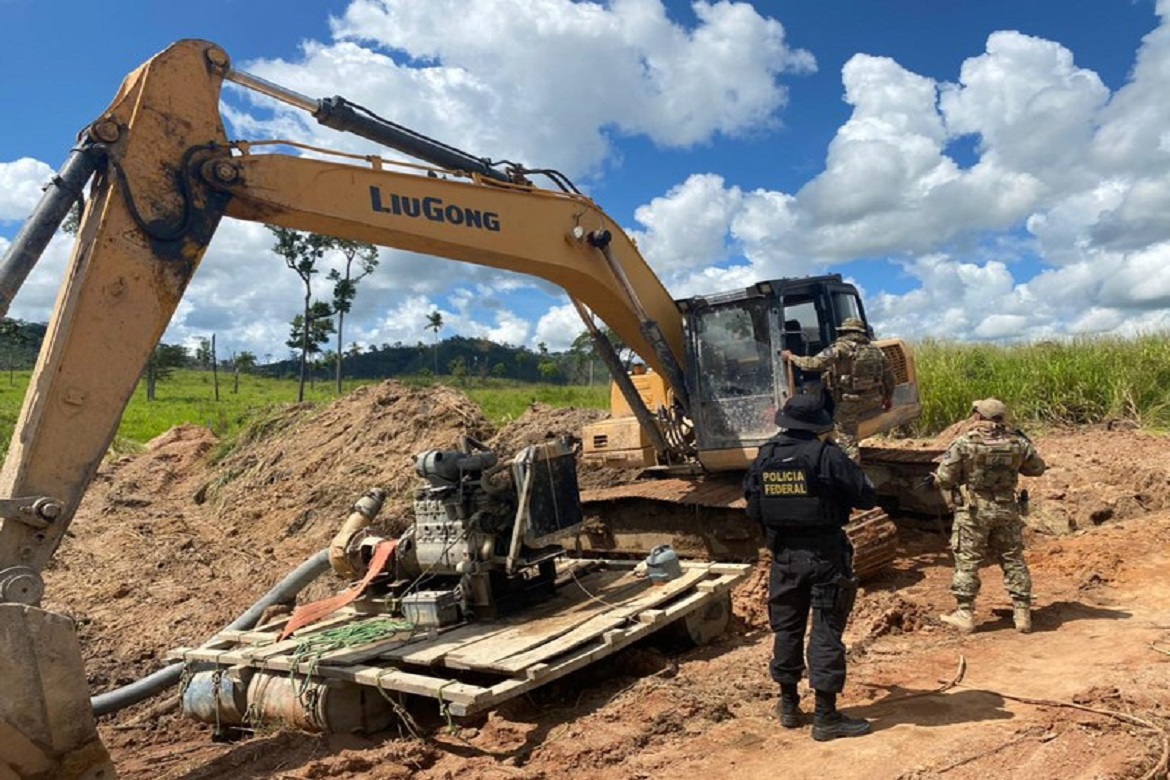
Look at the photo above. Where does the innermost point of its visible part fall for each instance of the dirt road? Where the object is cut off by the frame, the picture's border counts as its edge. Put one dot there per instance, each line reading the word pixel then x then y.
pixel 168 548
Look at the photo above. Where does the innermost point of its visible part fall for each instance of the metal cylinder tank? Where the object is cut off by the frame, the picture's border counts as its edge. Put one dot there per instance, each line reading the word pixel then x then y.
pixel 213 696
pixel 317 704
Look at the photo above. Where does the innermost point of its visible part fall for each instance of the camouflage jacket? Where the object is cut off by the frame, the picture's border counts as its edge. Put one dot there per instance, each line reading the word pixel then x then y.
pixel 839 361
pixel 987 462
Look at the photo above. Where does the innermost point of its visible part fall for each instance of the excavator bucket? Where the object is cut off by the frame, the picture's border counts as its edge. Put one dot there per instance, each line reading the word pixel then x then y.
pixel 47 728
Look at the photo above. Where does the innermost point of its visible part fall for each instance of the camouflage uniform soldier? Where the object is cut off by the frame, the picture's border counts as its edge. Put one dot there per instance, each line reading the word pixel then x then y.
pixel 982 467
pixel 859 379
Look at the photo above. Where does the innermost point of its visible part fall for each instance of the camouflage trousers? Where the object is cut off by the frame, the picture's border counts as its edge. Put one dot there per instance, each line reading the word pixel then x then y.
pixel 846 421
pixel 989 531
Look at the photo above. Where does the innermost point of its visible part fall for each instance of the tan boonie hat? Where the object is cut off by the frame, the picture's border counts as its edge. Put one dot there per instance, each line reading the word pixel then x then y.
pixel 990 408
pixel 852 324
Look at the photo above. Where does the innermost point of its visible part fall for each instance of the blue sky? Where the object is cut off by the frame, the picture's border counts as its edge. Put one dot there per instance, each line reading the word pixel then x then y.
pixel 983 170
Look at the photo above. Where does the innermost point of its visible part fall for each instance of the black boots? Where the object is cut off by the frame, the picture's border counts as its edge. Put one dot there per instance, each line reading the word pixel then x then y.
pixel 829 723
pixel 788 708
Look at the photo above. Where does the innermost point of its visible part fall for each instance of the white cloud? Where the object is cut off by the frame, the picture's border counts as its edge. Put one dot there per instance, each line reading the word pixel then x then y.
pixel 685 228
pixel 1033 110
pixel 1057 226
pixel 592 66
pixel 558 328
pixel 20 186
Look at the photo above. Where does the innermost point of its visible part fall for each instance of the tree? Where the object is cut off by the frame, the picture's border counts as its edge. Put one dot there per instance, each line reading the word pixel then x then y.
pixel 162 364
pixel 308 337
pixel 548 370
pixel 245 361
pixel 355 351
pixel 435 322
pixel 345 284
pixel 584 352
pixel 203 354
pixel 13 335
pixel 301 251
pixel 458 369
pixel 72 222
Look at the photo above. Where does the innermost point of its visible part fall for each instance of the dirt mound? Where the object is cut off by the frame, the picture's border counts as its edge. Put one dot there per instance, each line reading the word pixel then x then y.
pixel 1097 476
pixel 297 474
pixel 540 423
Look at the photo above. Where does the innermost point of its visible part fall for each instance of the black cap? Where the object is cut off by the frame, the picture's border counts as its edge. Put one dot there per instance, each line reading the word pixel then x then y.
pixel 804 413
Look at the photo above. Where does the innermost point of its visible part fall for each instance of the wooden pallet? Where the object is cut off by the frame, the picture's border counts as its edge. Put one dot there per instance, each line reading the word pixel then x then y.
pixel 592 616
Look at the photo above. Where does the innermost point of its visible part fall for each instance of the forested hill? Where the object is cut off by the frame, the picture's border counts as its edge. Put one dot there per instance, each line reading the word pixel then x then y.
pixel 455 356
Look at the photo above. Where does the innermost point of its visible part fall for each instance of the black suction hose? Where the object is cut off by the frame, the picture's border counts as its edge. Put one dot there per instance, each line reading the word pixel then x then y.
pixel 285 590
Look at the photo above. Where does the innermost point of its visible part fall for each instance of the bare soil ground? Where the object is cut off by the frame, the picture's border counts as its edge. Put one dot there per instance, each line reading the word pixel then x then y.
pixel 172 544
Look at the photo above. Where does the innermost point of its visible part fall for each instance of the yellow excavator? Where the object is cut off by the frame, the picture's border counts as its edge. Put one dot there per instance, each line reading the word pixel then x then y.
pixel 164 175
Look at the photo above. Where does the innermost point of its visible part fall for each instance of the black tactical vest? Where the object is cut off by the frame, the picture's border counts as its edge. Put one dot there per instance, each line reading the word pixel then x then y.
pixel 788 488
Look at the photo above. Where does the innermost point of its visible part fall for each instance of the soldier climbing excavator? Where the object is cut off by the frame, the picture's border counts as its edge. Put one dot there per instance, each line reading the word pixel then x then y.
pixel 164 175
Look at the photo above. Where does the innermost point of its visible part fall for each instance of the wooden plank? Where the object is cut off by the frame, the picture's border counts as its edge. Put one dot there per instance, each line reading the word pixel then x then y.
pixel 650 616
pixel 473 699
pixel 540 639
pixel 582 656
pixel 211 655
pixel 261 652
pixel 735 569
pixel 448 690
pixel 591 629
pixel 353 655
pixel 427 651
pixel 572 605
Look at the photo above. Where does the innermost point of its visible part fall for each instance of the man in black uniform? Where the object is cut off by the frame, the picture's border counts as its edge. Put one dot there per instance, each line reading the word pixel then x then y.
pixel 802 488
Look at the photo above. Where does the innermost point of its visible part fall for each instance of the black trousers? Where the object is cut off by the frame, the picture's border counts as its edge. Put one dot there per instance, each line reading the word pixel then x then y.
pixel 806 578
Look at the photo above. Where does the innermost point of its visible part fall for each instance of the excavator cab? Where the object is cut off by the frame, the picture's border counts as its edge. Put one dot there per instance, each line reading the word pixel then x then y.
pixel 737 379
pixel 735 340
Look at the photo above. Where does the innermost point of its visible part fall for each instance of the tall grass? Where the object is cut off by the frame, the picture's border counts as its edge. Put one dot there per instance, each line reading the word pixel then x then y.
pixel 1075 382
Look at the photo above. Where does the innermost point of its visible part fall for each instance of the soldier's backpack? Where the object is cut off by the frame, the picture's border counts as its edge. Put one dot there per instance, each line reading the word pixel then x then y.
pixel 860 371
pixel 996 457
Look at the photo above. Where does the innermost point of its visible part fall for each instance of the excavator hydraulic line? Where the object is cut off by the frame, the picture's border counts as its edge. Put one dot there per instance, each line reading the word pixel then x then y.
pixel 340 114
pixel 62 191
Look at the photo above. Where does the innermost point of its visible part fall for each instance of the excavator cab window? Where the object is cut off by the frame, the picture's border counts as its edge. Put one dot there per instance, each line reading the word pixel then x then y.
pixel 736 379
pixel 802 330
pixel 846 304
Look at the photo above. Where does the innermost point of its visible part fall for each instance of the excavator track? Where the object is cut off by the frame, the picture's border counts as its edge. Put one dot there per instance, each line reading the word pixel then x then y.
pixel 705 519
pixel 898 473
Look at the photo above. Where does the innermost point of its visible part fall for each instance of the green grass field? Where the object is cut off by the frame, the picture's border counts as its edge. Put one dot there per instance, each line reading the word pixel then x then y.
pixel 1049 384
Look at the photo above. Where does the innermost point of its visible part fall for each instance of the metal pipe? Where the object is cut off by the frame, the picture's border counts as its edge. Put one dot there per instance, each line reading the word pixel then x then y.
pixel 293 583
pixel 61 193
pixel 266 87
pixel 364 510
